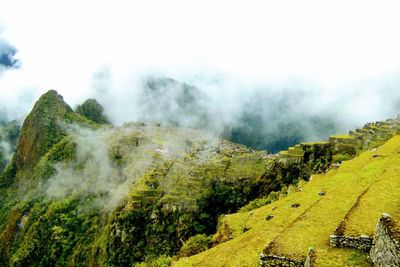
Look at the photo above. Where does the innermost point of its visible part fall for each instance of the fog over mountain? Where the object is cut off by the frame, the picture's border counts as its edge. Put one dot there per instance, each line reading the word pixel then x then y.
pixel 267 74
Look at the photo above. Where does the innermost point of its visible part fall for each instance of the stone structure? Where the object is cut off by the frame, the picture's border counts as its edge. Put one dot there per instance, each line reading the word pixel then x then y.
pixel 310 260
pixel 273 260
pixel 358 242
pixel 386 247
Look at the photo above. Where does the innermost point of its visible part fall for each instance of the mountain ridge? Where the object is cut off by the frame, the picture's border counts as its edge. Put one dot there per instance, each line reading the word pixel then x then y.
pixel 118 196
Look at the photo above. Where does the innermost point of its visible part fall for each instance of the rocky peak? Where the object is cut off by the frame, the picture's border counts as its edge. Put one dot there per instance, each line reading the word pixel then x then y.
pixel 41 129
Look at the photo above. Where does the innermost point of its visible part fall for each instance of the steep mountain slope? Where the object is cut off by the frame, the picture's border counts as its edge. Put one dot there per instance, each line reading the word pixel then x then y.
pixel 112 196
pixel 352 197
pixel 40 130
pixel 80 193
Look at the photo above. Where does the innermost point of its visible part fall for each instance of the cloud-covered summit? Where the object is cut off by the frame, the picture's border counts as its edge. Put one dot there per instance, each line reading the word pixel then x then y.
pixel 277 62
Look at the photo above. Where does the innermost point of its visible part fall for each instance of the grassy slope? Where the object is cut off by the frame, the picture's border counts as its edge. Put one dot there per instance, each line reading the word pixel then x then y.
pixel 294 230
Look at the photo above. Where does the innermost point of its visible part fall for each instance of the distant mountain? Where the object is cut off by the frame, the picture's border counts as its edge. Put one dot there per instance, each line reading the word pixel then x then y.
pixel 265 121
pixel 92 110
pixel 172 103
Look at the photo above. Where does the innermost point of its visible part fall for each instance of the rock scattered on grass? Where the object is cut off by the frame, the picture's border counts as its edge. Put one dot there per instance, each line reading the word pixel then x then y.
pixel 269 217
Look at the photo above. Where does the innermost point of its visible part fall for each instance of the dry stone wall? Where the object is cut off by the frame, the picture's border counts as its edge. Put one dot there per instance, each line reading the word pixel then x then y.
pixel 386 247
pixel 273 260
pixel 358 242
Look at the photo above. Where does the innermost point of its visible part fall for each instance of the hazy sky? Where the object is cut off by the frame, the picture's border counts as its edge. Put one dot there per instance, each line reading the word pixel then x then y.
pixel 339 49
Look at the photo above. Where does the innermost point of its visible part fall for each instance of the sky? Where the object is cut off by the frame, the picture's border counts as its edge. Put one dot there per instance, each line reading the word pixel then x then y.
pixel 344 55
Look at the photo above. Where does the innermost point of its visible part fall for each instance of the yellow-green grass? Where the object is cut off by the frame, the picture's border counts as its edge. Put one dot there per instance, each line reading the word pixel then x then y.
pixel 294 230
pixel 315 143
pixel 382 196
pixel 342 136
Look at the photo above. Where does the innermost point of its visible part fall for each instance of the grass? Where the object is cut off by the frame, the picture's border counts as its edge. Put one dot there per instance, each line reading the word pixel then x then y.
pixel 315 143
pixel 342 136
pixel 293 230
pixel 379 198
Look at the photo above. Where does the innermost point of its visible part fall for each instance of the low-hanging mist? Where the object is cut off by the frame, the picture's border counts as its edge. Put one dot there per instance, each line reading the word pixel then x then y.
pixel 109 161
pixel 262 116
pixel 265 75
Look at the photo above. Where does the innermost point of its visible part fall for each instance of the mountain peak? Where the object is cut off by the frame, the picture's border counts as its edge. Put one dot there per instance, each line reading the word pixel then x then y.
pixel 40 130
pixel 92 110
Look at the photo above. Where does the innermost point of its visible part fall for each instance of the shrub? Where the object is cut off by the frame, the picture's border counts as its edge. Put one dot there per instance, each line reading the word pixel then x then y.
pixel 195 245
pixel 223 234
pixel 340 157
pixel 162 261
pixel 257 203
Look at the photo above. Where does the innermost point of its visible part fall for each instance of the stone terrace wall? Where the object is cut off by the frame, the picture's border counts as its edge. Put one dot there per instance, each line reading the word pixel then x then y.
pixel 386 247
pixel 272 260
pixel 316 154
pixel 357 242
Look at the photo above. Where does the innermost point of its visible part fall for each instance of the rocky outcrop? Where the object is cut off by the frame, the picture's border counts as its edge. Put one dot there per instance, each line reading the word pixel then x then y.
pixel 92 110
pixel 386 247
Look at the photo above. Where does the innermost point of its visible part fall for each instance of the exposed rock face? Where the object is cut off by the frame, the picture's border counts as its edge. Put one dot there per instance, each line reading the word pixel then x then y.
pixel 92 110
pixel 386 248
pixel 41 129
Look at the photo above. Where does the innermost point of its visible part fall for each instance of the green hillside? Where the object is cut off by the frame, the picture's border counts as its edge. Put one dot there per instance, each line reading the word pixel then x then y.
pixel 116 195
pixel 79 191
pixel 357 193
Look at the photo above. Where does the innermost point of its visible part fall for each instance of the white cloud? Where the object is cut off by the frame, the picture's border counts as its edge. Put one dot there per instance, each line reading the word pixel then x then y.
pixel 330 46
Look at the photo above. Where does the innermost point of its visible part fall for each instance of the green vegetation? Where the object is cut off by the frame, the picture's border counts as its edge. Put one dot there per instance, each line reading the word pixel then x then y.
pixel 79 193
pixel 92 110
pixel 41 130
pixel 162 261
pixel 292 231
pixel 338 158
pixel 195 245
